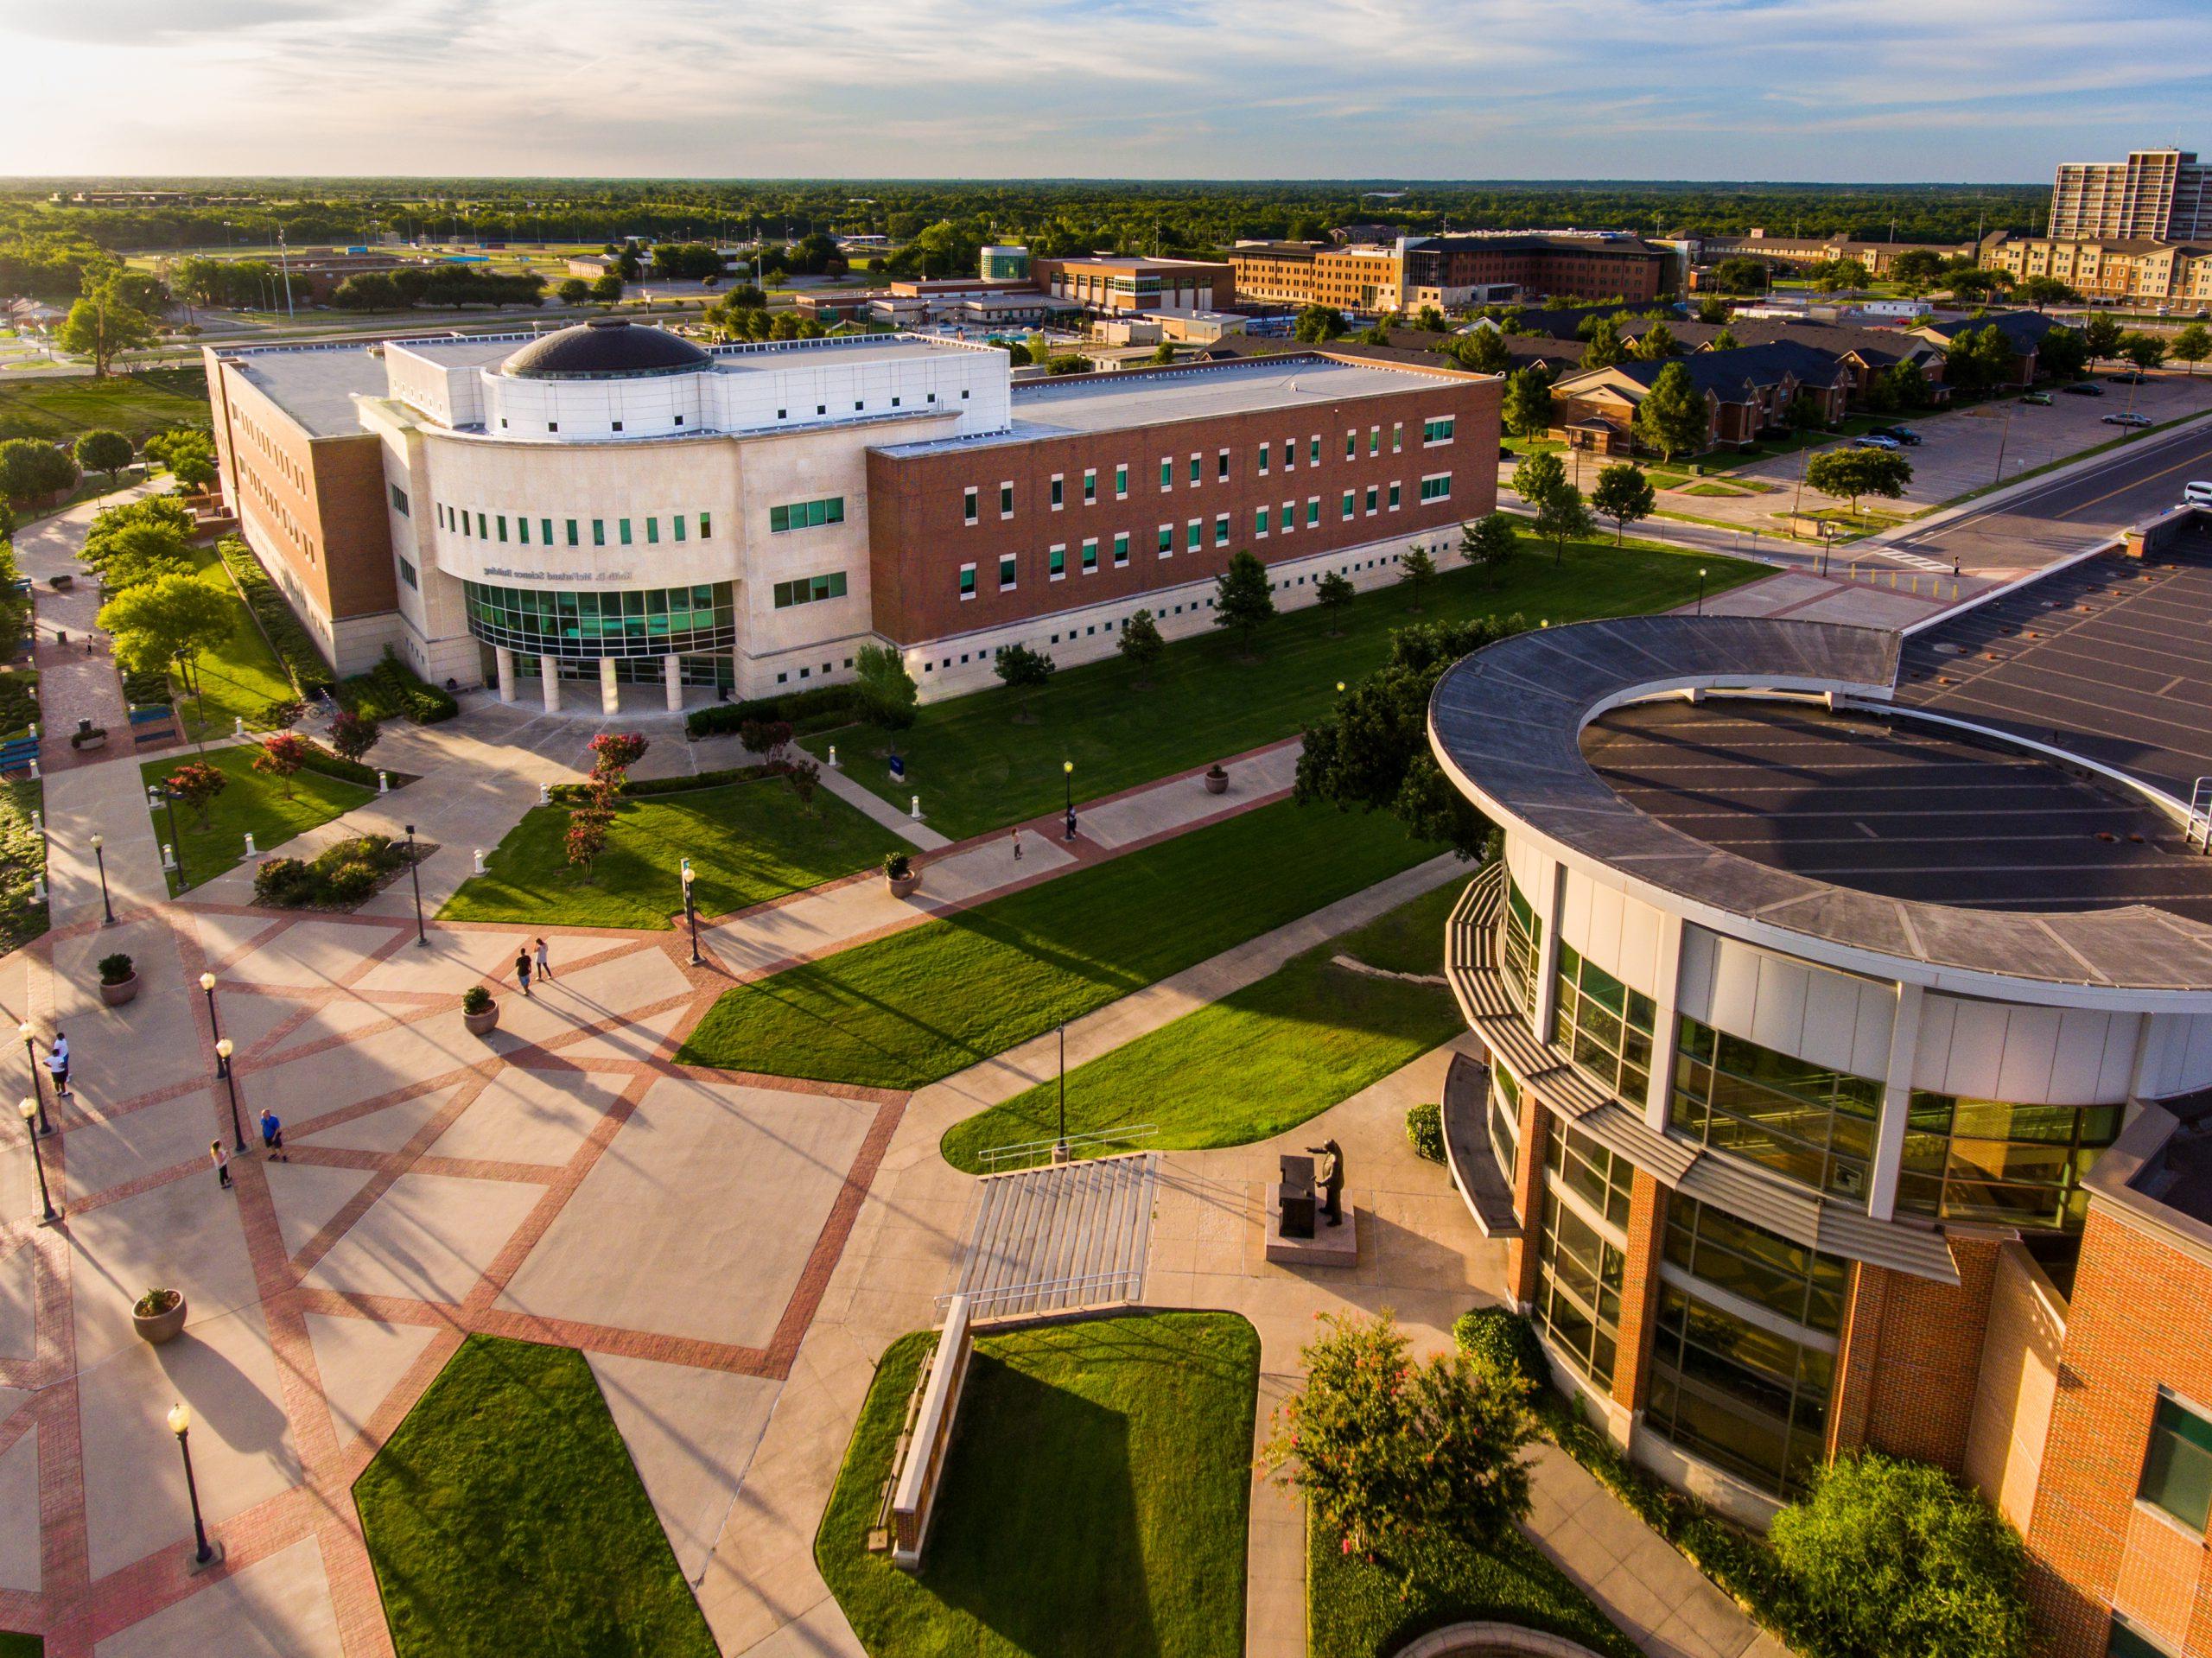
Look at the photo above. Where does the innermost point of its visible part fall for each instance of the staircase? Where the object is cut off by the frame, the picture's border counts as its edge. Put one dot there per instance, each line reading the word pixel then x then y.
pixel 1057 1238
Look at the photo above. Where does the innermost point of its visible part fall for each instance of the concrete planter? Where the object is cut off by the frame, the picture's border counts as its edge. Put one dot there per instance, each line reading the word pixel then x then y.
pixel 1217 781
pixel 93 739
pixel 155 1328
pixel 482 1023
pixel 115 994
pixel 904 886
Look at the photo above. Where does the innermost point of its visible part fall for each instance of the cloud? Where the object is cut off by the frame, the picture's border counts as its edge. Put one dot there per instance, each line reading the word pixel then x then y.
pixel 1853 89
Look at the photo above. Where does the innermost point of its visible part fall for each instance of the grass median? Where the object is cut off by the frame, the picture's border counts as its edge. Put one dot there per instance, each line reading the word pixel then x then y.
pixel 1093 1504
pixel 239 678
pixel 748 842
pixel 1259 1061
pixel 251 804
pixel 976 769
pixel 920 1005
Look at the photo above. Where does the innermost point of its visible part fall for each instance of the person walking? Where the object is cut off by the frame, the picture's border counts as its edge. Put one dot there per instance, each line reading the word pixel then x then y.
pixel 272 1135
pixel 544 963
pixel 57 1064
pixel 222 1162
pixel 1017 843
pixel 522 971
pixel 1071 823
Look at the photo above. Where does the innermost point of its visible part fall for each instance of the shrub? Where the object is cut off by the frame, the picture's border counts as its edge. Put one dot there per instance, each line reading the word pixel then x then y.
pixel 1500 1339
pixel 115 968
pixel 155 1302
pixel 295 646
pixel 814 709
pixel 351 735
pixel 475 1000
pixel 898 865
pixel 349 883
pixel 1425 1129
pixel 146 688
pixel 887 691
pixel 279 712
pixel 90 734
pixel 342 874
pixel 392 690
pixel 286 882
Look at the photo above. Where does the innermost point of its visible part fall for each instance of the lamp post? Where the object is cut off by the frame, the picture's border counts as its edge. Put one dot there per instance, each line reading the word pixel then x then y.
pixel 1060 1147
pixel 222 1047
pixel 100 857
pixel 223 1052
pixel 691 913
pixel 1067 775
pixel 27 1109
pixel 1700 590
pixel 181 1425
pixel 31 1057
pixel 414 874
pixel 157 791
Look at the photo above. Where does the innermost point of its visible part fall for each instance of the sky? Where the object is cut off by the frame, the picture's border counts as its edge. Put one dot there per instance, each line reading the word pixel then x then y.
pixel 1813 90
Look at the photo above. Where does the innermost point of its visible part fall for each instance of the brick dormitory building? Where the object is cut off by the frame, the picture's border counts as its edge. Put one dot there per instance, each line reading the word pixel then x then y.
pixel 1448 271
pixel 612 503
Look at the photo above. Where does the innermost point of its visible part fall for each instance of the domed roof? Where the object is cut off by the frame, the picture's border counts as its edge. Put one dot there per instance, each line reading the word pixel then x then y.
pixel 605 348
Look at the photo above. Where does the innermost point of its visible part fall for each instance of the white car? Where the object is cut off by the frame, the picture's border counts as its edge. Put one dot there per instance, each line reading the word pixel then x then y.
pixel 1875 441
pixel 2197 494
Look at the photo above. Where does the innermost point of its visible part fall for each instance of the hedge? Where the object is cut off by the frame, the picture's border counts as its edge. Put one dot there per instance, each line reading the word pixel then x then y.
pixel 319 759
pixel 392 690
pixel 295 646
pixel 815 709
pixel 575 794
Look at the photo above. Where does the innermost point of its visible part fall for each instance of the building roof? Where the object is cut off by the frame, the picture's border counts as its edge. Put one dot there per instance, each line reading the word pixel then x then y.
pixel 1507 722
pixel 1728 374
pixel 606 347
pixel 315 385
pixel 2159 1170
pixel 2025 329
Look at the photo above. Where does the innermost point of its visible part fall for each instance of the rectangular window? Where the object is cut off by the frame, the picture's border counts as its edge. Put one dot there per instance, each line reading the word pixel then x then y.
pixel 1167 540
pixel 652 532
pixel 1351 445
pixel 545 528
pixel 1090 485
pixel 804 515
pixel 399 502
pixel 1263 461
pixel 1313 453
pixel 971 505
pixel 501 523
pixel 1059 491
pixel 599 532
pixel 1221 530
pixel 1436 487
pixel 1374 500
pixel 808 589
pixel 1397 436
pixel 1396 493
pixel 522 530
pixel 967 580
pixel 1006 571
pixel 1438 431
pixel 1606 1027
pixel 572 532
pixel 1289 455
pixel 2177 1465
pixel 1056 561
pixel 1312 511
pixel 1090 555
pixel 1809 1123
pixel 1194 535
pixel 1197 469
pixel 483 529
pixel 1350 504
pixel 1166 471
pixel 679 526
pixel 1221 466
pixel 1006 500
pixel 1286 520
pixel 623 525
pixel 1120 549
pixel 407 573
pixel 439 511
pixel 1121 483
pixel 706 526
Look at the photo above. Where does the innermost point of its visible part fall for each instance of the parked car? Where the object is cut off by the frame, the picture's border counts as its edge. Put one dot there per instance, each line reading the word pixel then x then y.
pixel 2083 389
pixel 2197 494
pixel 1506 452
pixel 1904 434
pixel 1875 441
pixel 2040 399
pixel 2130 378
pixel 2127 419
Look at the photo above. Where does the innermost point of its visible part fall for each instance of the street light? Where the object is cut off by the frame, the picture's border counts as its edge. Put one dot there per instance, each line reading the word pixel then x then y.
pixel 1700 591
pixel 1060 1148
pixel 100 857
pixel 691 913
pixel 222 1047
pixel 157 791
pixel 414 874
pixel 180 1421
pixel 223 1052
pixel 27 1109
pixel 31 1057
pixel 1067 773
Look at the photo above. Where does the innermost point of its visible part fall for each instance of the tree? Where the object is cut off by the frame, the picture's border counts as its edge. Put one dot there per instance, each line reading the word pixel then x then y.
pixel 190 460
pixel 1332 592
pixel 887 690
pixel 1017 354
pixel 1741 274
pixel 1429 320
pixel 1378 333
pixel 2145 351
pixel 606 291
pixel 281 755
pixel 1806 412
pixel 1853 473
pixel 1022 668
pixel 1562 519
pixel 169 619
pixel 2191 345
pixel 1726 340
pixel 1917 268
pixel 1488 542
pixel 1416 569
pixel 1673 417
pixel 1527 408
pixel 2102 334
pixel 2040 291
pixel 102 450
pixel 1712 308
pixel 30 467
pixel 1141 645
pixel 109 319
pixel 1623 494
pixel 1399 1459
pixel 1242 602
pixel 575 291
pixel 613 752
pixel 1656 343
pixel 1163 355
pixel 1896 1560
pixel 1538 478
pixel 196 784
pixel 1483 351
pixel 586 838
pixel 1318 324
pixel 353 735
pixel 1605 348
pixel 1908 382
pixel 1837 276
pixel 1974 284
pixel 138 553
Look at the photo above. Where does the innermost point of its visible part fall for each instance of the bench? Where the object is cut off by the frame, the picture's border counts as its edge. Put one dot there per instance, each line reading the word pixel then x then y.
pixel 156 722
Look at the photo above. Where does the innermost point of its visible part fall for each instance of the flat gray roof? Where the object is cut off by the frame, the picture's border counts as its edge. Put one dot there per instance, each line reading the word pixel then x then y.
pixel 1508 721
pixel 316 384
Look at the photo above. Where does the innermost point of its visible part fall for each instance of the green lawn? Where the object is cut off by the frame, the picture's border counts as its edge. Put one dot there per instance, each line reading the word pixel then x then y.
pixel 1252 1065
pixel 140 403
pixel 13 1645
pixel 882 1013
pixel 504 1516
pixel 253 804
pixel 976 770
pixel 18 701
pixel 747 842
pixel 23 855
pixel 1410 938
pixel 1356 1610
pixel 241 678
pixel 90 487
pixel 1094 1501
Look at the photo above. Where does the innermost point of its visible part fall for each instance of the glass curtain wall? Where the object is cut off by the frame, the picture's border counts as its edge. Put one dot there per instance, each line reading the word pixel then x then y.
pixel 1814 1125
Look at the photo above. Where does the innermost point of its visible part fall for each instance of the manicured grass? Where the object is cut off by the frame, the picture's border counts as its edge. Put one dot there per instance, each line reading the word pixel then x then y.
pixel 976 769
pixel 139 403
pixel 23 855
pixel 1410 938
pixel 504 1516
pixel 1259 1062
pixel 13 1645
pixel 18 701
pixel 1094 1501
pixel 240 678
pixel 747 842
pixel 91 487
pixel 906 1010
pixel 1356 1610
pixel 253 804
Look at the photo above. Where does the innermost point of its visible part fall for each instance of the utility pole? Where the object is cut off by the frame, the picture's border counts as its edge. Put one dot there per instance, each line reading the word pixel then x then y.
pixel 284 263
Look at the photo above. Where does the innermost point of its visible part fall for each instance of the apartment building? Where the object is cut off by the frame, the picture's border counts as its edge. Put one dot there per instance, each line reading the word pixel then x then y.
pixel 1449 271
pixel 1114 282
pixel 1747 392
pixel 2136 270
pixel 2155 195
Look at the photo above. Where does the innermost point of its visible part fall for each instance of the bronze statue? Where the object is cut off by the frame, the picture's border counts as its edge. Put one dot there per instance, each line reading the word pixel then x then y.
pixel 1329 1176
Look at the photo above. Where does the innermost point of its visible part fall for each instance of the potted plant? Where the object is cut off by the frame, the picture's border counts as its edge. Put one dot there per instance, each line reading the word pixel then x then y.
pixel 158 1315
pixel 478 1011
pixel 88 736
pixel 1216 779
pixel 898 870
pixel 119 980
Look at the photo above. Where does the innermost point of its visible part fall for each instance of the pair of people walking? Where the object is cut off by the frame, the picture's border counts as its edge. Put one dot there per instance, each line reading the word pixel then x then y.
pixel 524 965
pixel 272 1147
pixel 57 1066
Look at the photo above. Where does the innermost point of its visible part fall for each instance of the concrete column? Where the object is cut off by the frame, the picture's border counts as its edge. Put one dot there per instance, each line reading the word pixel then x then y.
pixel 506 661
pixel 1528 1200
pixel 1896 1103
pixel 1666 997
pixel 610 692
pixel 671 674
pixel 548 681
pixel 1549 904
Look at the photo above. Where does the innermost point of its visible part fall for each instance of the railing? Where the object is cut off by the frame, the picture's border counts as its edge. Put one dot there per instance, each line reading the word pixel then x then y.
pixel 1037 1151
pixel 1942 589
pixel 919 1464
pixel 2198 828
pixel 980 1302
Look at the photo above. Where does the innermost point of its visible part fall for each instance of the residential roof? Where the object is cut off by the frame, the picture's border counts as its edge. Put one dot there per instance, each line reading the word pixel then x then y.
pixel 1725 374
pixel 2025 329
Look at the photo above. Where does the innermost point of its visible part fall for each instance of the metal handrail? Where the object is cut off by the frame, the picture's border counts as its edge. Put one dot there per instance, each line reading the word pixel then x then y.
pixel 1028 1148
pixel 1039 1288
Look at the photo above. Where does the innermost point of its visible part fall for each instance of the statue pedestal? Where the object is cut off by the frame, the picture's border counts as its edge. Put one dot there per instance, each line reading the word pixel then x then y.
pixel 1330 1246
